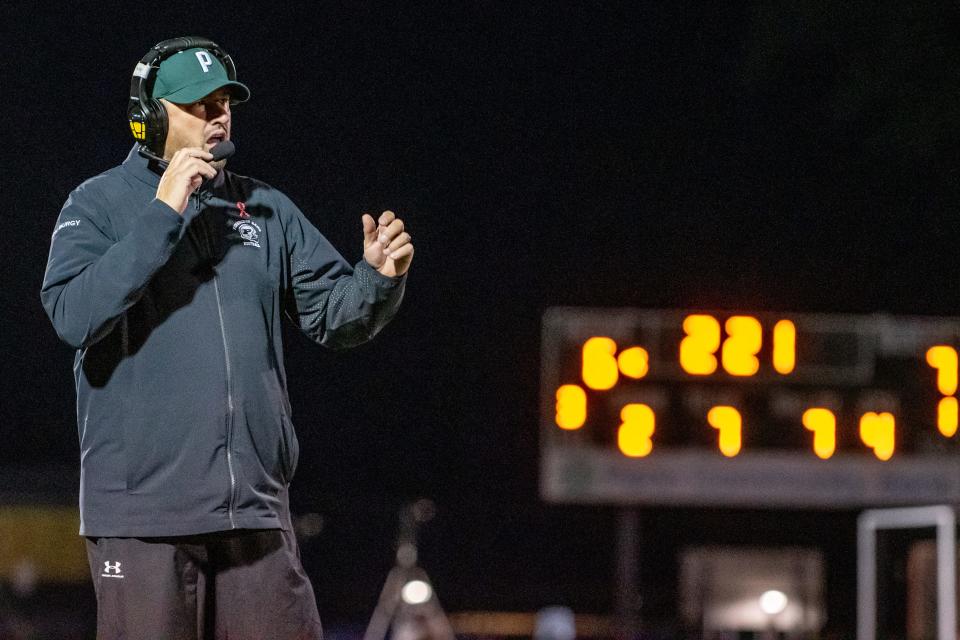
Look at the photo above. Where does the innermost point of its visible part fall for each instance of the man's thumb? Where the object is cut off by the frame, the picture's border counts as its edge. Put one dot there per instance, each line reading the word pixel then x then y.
pixel 369 230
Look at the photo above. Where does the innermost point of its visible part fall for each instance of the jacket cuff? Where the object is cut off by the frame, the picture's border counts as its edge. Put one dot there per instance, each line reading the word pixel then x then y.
pixel 380 280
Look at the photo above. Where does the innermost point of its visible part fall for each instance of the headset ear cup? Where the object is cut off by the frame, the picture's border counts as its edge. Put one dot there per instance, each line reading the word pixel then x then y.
pixel 137 121
pixel 155 117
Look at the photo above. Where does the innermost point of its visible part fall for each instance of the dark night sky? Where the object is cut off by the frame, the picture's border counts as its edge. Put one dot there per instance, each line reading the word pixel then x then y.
pixel 793 156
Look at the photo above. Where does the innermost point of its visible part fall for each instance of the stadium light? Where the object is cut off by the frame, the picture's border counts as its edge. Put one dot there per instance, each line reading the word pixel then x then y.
pixel 773 602
pixel 416 592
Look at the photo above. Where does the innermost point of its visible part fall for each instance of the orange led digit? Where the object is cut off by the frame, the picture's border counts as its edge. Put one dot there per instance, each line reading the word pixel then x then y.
pixel 740 349
pixel 698 348
pixel 635 434
pixel 599 366
pixel 784 347
pixel 947 416
pixel 634 362
pixel 944 360
pixel 877 432
pixel 824 426
pixel 727 420
pixel 571 407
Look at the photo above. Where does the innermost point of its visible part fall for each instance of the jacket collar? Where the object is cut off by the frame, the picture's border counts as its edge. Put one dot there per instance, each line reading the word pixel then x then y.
pixel 144 170
pixel 149 171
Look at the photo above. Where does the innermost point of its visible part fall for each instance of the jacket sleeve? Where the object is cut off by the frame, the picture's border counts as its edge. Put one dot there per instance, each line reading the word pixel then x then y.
pixel 335 305
pixel 91 278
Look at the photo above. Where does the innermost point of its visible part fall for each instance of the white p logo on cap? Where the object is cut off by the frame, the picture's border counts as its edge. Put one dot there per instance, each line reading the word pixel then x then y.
pixel 205 61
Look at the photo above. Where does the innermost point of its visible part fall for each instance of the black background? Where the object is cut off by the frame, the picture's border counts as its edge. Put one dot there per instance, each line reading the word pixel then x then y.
pixel 768 156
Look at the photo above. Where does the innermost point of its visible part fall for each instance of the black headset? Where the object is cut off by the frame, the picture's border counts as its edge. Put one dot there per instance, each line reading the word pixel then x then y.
pixel 147 116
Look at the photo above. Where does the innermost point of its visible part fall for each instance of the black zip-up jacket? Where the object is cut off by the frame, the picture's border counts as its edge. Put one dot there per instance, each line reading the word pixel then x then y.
pixel 182 407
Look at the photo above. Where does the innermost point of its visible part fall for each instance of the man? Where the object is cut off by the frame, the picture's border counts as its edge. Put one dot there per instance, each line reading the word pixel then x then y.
pixel 171 283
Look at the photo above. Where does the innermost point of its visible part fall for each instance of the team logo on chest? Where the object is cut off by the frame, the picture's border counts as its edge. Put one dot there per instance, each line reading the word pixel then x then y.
pixel 249 231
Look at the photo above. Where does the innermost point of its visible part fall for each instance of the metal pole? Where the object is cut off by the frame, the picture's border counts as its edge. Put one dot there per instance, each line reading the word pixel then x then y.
pixel 866 577
pixel 628 564
pixel 946 575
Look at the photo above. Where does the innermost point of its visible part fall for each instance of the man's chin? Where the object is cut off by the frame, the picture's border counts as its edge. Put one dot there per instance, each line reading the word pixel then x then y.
pixel 219 164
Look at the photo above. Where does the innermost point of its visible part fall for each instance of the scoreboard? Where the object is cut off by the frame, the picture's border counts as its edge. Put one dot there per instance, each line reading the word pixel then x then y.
pixel 728 408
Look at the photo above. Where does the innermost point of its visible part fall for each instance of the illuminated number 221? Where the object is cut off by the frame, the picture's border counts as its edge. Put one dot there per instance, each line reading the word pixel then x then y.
pixel 738 352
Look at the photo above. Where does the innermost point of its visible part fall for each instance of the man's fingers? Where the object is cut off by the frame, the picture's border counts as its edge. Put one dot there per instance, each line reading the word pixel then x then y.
pixel 191 166
pixel 391 231
pixel 188 168
pixel 197 166
pixel 397 242
pixel 402 252
pixel 192 152
pixel 393 241
pixel 386 218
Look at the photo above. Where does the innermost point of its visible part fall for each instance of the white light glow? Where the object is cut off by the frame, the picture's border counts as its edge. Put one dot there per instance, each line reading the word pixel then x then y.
pixel 773 602
pixel 416 592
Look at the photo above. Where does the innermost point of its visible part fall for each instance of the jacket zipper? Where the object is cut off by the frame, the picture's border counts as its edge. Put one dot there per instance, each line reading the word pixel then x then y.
pixel 226 359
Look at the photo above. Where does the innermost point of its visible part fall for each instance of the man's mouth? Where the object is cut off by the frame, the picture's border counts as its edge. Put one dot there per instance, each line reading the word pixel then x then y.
pixel 216 138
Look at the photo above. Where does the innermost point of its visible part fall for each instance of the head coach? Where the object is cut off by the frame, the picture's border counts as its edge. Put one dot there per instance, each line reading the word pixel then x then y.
pixel 170 275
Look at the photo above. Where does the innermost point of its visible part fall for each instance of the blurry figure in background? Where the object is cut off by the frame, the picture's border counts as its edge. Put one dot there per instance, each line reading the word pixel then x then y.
pixel 170 276
pixel 14 624
pixel 25 578
pixel 555 623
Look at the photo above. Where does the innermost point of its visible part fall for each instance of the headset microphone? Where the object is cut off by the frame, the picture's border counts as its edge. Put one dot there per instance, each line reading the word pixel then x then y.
pixel 144 151
pixel 223 150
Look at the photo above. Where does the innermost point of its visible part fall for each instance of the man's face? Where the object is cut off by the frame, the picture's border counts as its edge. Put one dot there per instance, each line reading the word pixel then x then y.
pixel 202 124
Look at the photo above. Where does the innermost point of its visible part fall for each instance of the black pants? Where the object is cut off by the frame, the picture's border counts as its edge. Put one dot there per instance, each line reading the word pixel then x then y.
pixel 237 585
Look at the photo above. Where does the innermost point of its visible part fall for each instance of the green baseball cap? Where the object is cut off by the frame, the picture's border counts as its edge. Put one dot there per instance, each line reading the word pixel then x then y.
pixel 191 74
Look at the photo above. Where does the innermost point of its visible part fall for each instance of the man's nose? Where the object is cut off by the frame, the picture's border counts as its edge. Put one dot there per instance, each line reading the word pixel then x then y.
pixel 221 115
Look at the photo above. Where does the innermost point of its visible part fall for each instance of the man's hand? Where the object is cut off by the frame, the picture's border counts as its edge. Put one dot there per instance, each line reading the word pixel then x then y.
pixel 386 246
pixel 187 169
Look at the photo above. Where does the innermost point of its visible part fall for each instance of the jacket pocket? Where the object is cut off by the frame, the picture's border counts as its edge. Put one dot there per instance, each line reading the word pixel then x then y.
pixel 163 457
pixel 289 449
